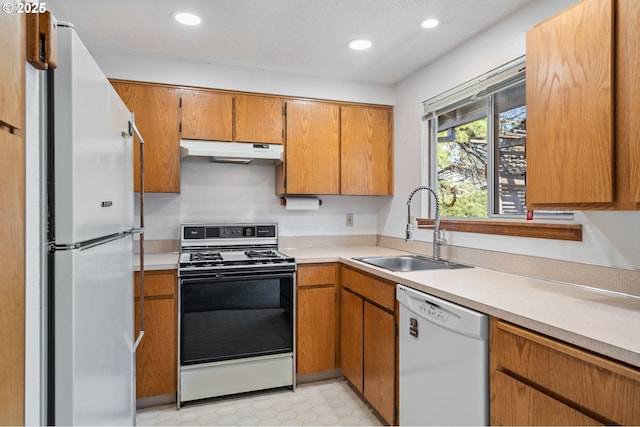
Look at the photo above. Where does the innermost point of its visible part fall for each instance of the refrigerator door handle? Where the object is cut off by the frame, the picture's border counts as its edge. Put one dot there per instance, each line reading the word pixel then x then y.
pixel 133 129
pixel 138 339
pixel 140 230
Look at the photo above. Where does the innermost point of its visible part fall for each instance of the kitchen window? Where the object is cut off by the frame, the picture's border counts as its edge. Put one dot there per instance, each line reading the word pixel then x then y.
pixel 476 136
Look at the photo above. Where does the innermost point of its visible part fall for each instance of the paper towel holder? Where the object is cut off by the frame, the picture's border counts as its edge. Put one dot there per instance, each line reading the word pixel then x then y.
pixel 283 201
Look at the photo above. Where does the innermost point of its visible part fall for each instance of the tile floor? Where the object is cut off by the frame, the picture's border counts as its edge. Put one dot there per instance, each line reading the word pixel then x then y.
pixel 328 403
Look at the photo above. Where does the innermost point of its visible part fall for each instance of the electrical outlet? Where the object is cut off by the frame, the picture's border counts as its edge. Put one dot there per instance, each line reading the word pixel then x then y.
pixel 349 220
pixel 413 220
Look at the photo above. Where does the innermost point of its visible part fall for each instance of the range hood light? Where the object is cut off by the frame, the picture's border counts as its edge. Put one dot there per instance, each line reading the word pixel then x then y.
pixel 233 152
pixel 216 159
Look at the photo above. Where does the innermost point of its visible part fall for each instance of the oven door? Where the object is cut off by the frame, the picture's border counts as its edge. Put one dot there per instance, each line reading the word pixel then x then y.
pixel 236 315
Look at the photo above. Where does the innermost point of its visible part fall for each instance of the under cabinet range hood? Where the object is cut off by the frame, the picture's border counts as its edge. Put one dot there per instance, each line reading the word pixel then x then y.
pixel 233 152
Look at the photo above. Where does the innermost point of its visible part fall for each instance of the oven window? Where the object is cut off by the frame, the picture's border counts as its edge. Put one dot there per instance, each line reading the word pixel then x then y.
pixel 223 319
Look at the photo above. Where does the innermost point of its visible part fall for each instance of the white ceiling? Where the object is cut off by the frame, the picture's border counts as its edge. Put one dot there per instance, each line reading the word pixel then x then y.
pixel 305 37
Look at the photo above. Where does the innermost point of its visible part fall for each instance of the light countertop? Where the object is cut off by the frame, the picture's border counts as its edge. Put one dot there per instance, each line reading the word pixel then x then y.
pixel 157 261
pixel 600 321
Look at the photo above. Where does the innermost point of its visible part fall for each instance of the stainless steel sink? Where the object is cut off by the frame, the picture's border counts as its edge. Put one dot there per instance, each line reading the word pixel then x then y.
pixel 410 263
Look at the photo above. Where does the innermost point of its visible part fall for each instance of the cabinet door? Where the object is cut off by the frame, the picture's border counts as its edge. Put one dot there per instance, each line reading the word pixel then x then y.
pixel 366 151
pixel 156 110
pixel 12 280
pixel 156 357
pixel 12 70
pixel 351 338
pixel 259 119
pixel 628 107
pixel 570 120
pixel 207 115
pixel 379 360
pixel 316 320
pixel 312 148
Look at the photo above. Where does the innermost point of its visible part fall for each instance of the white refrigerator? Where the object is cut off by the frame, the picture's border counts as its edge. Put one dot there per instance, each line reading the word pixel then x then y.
pixel 91 378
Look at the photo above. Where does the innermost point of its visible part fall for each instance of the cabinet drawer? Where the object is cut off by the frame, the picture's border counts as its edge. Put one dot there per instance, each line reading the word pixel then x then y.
pixel 156 283
pixel 316 274
pixel 592 383
pixel 378 291
pixel 522 405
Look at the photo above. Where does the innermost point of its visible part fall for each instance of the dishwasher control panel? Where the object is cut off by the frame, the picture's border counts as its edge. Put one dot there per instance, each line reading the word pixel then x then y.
pixel 432 310
pixel 426 309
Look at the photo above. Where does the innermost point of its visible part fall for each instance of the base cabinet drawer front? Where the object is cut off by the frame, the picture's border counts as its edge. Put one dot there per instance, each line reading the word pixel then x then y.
pixel 601 388
pixel 317 274
pixel 156 356
pixel 522 405
pixel 156 283
pixel 376 290
pixel 316 330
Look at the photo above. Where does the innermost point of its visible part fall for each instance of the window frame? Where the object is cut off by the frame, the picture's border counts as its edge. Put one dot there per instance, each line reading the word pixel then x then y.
pixel 484 87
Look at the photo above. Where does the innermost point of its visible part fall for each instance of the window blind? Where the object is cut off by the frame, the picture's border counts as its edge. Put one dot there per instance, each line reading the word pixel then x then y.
pixel 489 83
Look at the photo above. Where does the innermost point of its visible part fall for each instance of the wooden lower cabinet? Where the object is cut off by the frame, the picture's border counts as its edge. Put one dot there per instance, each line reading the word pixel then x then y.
pixel 368 341
pixel 523 405
pixel 537 380
pixel 156 357
pixel 379 360
pixel 316 318
pixel 352 338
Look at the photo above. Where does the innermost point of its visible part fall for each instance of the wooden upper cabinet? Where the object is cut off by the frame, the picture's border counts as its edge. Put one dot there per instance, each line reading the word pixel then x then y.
pixel 570 155
pixel 156 111
pixel 312 151
pixel 259 119
pixel 12 70
pixel 366 151
pixel 583 131
pixel 628 107
pixel 207 115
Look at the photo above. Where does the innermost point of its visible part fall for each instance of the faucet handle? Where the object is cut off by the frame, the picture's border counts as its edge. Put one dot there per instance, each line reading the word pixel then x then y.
pixel 409 233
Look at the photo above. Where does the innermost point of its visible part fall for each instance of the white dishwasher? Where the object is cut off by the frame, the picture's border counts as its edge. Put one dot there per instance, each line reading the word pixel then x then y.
pixel 444 362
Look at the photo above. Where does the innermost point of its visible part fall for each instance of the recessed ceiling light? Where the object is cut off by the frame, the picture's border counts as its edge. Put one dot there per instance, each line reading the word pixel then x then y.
pixel 359 44
pixel 429 23
pixel 186 18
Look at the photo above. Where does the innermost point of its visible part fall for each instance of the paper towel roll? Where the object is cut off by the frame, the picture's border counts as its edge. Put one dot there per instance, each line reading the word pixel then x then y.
pixel 301 203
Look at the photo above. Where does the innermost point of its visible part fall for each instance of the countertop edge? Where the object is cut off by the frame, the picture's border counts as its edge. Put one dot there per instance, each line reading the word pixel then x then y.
pixel 344 255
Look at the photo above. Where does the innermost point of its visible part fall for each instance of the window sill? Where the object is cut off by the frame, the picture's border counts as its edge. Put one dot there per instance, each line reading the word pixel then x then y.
pixel 505 228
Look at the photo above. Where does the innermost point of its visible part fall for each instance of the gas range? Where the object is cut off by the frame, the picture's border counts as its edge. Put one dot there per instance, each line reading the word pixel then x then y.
pixel 209 248
pixel 237 311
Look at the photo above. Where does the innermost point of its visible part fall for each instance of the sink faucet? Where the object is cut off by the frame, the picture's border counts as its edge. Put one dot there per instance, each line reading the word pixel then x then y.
pixel 437 238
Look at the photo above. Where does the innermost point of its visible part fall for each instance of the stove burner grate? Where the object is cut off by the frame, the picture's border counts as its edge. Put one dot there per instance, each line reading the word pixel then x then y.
pixel 261 254
pixel 205 256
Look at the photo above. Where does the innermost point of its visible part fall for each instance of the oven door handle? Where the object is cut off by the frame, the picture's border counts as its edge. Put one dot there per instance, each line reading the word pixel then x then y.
pixel 224 276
